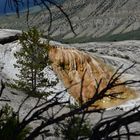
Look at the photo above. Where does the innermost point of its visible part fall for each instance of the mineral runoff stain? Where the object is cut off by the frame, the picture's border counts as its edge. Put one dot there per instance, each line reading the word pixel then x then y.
pixel 80 72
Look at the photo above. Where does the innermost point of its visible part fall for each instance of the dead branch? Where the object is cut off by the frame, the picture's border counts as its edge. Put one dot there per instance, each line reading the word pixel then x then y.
pixel 17 3
pixel 83 109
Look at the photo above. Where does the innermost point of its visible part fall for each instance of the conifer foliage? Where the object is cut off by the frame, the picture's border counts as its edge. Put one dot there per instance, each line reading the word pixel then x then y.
pixel 8 125
pixel 31 61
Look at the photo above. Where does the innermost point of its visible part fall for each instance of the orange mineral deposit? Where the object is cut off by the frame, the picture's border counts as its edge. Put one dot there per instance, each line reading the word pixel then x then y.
pixel 81 72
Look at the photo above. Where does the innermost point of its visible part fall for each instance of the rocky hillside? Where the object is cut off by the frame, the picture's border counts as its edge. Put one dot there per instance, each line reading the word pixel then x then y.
pixel 93 20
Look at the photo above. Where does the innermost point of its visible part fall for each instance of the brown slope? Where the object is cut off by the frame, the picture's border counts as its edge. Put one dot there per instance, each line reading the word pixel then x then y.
pixel 81 72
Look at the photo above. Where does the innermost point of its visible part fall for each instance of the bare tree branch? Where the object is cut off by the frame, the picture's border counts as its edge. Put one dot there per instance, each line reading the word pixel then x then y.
pixel 17 3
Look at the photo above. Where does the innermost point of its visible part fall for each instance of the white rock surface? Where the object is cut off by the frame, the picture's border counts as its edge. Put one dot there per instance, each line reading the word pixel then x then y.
pixel 7 70
pixel 4 33
pixel 114 53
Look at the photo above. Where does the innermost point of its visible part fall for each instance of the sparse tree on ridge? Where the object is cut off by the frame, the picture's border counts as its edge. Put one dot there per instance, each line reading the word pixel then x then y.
pixel 31 61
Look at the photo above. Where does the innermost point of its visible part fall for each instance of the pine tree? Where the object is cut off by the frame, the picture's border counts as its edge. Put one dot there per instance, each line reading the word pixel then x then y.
pixel 31 60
